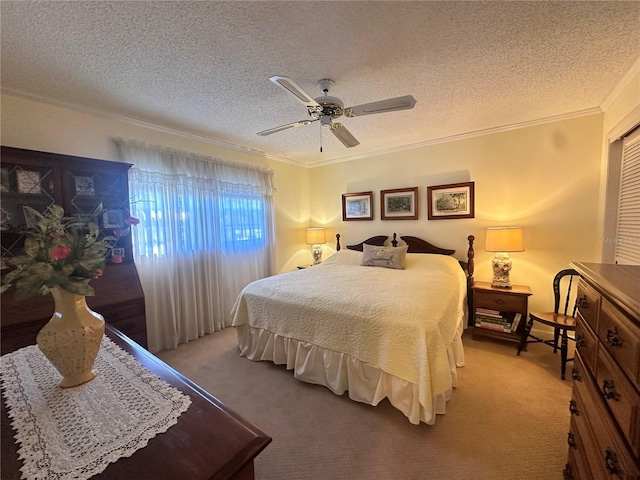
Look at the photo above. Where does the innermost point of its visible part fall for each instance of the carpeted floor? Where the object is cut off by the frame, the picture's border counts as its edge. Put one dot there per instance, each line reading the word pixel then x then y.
pixel 508 417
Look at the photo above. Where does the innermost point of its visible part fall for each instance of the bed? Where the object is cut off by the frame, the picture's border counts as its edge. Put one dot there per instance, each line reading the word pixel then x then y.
pixel 371 331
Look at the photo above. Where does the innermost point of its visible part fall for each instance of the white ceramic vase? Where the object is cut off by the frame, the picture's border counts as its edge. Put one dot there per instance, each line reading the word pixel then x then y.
pixel 71 339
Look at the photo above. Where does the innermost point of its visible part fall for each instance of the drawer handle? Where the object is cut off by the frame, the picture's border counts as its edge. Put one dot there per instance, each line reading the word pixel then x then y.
pixel 580 341
pixel 573 408
pixel 613 338
pixel 611 460
pixel 571 440
pixel 609 390
pixel 499 301
pixel 582 302
pixel 567 473
pixel 575 375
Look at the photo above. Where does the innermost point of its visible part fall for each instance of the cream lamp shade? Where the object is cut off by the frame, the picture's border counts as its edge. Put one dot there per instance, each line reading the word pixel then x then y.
pixel 316 237
pixel 503 240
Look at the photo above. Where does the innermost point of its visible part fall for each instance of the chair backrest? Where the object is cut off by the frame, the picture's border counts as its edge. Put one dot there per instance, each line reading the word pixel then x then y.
pixel 566 297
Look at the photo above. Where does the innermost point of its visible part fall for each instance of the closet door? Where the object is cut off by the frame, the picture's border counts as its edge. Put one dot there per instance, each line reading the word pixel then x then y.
pixel 627 246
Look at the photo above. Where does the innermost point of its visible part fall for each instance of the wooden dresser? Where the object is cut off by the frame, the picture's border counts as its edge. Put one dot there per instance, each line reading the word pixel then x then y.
pixel 209 442
pixel 604 437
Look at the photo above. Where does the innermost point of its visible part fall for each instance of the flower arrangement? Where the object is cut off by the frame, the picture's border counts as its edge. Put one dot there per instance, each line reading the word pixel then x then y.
pixel 62 251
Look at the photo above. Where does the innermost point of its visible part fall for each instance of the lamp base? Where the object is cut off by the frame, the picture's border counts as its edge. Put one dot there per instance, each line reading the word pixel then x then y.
pixel 501 265
pixel 317 254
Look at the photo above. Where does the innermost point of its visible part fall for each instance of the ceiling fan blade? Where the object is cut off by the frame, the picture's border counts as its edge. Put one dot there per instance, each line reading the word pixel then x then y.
pixel 390 105
pixel 344 135
pixel 285 127
pixel 292 87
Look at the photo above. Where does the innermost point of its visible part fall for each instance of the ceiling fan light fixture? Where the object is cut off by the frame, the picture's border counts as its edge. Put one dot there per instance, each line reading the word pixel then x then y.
pixel 325 108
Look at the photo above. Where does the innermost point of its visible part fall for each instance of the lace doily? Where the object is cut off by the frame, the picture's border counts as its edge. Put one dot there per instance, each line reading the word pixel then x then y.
pixel 74 433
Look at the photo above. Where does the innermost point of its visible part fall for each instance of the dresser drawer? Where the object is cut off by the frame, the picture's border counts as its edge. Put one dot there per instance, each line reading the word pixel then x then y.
pixel 579 469
pixel 609 456
pixel 586 343
pixel 621 338
pixel 503 302
pixel 588 301
pixel 621 397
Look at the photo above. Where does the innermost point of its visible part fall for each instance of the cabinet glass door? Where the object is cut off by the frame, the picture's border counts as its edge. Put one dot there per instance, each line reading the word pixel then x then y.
pixel 22 186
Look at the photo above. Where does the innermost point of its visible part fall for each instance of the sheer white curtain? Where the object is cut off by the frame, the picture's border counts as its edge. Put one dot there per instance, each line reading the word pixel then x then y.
pixel 206 230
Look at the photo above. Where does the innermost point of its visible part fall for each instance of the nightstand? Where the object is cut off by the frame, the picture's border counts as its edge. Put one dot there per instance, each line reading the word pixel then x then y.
pixel 500 313
pixel 302 267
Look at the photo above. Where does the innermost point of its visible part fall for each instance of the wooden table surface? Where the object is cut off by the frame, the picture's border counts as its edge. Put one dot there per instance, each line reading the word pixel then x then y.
pixel 210 441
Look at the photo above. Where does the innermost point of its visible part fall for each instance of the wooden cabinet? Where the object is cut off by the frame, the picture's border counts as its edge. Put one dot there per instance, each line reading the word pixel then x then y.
pixel 604 438
pixel 508 302
pixel 39 179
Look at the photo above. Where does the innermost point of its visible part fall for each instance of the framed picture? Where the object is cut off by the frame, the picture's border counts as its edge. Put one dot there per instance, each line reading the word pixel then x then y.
pixel 28 182
pixel 112 219
pixel 85 186
pixel 357 206
pixel 399 204
pixel 455 200
pixel 4 179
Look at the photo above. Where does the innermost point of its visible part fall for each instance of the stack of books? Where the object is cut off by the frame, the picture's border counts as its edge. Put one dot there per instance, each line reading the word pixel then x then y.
pixel 495 320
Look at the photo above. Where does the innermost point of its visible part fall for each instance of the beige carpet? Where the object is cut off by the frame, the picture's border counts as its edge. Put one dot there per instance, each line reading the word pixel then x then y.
pixel 508 418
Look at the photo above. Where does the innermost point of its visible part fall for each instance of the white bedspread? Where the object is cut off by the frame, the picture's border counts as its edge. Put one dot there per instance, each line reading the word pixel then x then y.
pixel 402 321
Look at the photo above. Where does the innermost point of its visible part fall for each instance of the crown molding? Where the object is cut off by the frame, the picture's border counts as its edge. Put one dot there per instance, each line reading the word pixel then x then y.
pixel 149 125
pixel 240 148
pixel 622 84
pixel 465 136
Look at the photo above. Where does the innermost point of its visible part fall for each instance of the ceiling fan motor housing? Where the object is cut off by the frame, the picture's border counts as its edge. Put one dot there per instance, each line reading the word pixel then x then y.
pixel 332 107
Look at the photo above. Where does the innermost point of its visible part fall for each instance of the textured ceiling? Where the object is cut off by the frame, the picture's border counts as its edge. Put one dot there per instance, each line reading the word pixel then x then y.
pixel 204 67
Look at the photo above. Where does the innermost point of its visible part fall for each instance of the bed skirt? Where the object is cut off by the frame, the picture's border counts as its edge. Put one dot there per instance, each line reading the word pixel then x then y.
pixel 341 372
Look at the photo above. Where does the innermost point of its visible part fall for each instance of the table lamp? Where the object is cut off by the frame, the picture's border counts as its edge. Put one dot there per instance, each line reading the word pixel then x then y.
pixel 503 240
pixel 315 237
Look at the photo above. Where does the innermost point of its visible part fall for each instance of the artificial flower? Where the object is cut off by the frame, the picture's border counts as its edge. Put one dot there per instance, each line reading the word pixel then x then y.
pixel 59 251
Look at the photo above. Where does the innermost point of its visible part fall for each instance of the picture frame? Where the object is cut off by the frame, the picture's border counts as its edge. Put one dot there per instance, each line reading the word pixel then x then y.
pixel 455 200
pixel 28 181
pixel 85 186
pixel 399 204
pixel 112 219
pixel 357 206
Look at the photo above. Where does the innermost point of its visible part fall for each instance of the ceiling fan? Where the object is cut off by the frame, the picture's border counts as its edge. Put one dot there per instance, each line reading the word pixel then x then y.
pixel 325 108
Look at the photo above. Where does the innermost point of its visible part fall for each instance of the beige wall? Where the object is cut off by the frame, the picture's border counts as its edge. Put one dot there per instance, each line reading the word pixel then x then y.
pixel 41 126
pixel 550 179
pixel 544 178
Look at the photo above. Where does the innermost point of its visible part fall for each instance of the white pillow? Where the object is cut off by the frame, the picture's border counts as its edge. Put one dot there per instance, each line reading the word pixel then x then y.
pixel 388 257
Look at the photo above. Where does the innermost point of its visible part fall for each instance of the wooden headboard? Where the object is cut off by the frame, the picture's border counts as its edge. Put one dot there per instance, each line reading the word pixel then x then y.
pixel 417 245
pixel 377 241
